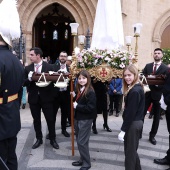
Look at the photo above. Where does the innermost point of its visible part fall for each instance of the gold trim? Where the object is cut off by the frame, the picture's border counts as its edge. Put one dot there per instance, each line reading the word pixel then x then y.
pixel 102 72
pixel 10 98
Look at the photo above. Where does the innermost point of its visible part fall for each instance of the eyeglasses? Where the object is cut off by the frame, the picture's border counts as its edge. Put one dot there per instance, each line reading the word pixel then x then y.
pixel 63 56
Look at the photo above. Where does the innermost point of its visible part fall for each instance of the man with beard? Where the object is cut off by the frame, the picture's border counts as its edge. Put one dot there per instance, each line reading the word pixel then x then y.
pixel 62 95
pixel 154 95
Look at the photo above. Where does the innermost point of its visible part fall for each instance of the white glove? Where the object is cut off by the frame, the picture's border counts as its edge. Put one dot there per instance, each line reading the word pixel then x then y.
pixel 75 104
pixel 162 103
pixel 73 93
pixel 121 136
pixel 30 75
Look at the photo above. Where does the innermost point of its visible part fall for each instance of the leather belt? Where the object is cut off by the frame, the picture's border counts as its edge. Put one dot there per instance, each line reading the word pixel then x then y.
pixel 10 98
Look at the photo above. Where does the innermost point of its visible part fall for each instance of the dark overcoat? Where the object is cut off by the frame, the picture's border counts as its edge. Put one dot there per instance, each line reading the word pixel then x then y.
pixel 11 81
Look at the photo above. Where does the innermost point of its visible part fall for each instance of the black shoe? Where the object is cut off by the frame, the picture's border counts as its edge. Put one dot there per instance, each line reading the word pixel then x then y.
pixel 54 144
pixel 117 114
pixel 168 169
pixel 152 140
pixel 107 128
pixel 37 143
pixel 77 163
pixel 85 168
pixel 65 133
pixel 150 116
pixel 162 161
pixel 94 130
pixel 23 106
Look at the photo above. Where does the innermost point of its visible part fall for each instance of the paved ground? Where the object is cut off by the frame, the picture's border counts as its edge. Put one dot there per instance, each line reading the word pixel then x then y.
pixel 105 149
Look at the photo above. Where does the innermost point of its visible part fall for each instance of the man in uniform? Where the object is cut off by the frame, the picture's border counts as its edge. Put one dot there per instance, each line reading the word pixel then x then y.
pixel 11 81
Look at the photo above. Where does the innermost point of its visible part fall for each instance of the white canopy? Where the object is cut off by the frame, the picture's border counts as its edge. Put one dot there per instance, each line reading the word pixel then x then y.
pixel 108 27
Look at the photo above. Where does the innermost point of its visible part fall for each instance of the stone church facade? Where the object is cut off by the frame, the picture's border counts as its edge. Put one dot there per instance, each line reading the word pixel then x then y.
pixel 154 15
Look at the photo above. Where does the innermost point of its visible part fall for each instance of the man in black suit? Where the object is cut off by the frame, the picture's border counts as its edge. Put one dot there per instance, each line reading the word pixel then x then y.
pixel 154 96
pixel 62 95
pixel 166 95
pixel 40 97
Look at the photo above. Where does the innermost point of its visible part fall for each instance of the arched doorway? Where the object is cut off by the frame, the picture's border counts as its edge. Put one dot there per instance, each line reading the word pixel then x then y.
pixel 165 38
pixel 51 31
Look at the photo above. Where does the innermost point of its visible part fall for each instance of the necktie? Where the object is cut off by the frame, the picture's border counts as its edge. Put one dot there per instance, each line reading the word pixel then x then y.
pixel 154 68
pixel 37 67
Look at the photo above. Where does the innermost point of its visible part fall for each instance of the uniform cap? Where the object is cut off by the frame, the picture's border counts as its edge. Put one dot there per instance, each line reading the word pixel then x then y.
pixel 9 21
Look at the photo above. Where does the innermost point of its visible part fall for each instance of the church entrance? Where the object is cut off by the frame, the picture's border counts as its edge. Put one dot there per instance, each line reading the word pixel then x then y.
pixel 52 32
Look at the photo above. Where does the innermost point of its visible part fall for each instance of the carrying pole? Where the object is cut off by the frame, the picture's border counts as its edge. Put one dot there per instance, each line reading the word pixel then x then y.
pixel 3 165
pixel 72 115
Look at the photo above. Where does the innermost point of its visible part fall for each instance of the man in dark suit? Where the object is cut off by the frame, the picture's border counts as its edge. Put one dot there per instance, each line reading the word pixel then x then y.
pixel 62 95
pixel 11 81
pixel 166 94
pixel 40 97
pixel 154 96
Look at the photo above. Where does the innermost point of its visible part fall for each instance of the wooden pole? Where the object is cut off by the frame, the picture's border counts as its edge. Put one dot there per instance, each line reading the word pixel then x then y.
pixel 72 116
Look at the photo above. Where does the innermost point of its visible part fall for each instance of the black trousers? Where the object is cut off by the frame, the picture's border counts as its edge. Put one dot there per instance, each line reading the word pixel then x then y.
pixel 116 99
pixel 7 153
pixel 47 109
pixel 156 109
pixel 131 143
pixel 167 114
pixel 63 102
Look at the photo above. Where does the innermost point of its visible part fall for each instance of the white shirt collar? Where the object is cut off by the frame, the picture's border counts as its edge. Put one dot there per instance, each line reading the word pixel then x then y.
pixel 82 88
pixel 159 63
pixel 40 63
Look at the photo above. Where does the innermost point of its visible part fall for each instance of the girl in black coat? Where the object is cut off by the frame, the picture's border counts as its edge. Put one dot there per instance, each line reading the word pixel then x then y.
pixel 132 117
pixel 85 112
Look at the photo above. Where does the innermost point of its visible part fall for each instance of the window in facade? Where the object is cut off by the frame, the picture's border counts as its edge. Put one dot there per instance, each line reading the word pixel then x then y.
pixel 44 34
pixel 55 35
pixel 66 34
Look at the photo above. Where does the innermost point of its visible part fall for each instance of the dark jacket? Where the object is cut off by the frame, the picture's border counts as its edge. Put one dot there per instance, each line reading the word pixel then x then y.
pixel 166 89
pixel 86 108
pixel 134 107
pixel 101 96
pixel 45 94
pixel 11 81
pixel 156 91
pixel 115 84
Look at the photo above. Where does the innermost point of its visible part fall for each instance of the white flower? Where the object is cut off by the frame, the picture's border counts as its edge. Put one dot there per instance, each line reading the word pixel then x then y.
pixel 107 59
pixel 122 65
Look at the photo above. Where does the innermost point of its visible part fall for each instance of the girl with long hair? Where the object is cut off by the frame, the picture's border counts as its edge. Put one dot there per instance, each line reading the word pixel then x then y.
pixel 132 116
pixel 85 112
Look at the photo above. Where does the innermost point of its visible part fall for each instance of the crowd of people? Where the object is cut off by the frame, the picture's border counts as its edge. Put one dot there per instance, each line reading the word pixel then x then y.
pixel 90 99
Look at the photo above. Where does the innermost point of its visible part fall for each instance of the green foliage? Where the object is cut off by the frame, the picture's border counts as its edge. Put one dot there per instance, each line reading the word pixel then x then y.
pixel 166 56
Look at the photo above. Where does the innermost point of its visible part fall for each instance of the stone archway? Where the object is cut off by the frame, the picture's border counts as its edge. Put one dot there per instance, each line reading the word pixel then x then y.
pixel 83 12
pixel 160 26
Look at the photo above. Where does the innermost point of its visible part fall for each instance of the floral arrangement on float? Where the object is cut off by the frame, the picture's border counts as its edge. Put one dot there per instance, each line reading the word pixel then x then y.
pixel 114 58
pixel 102 64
